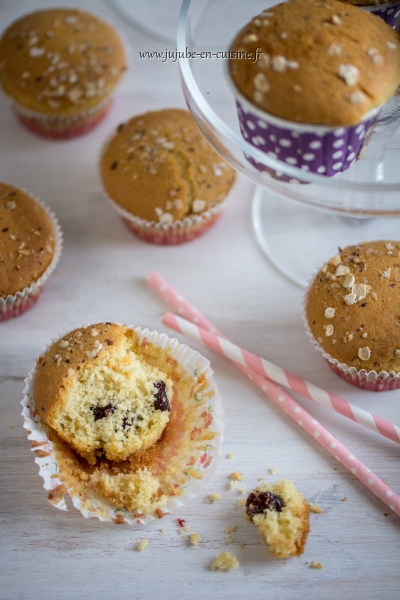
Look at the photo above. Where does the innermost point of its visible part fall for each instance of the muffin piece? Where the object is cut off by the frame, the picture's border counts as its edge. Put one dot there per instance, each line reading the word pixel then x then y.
pixel 99 396
pixel 282 517
pixel 321 63
pixel 160 170
pixel 353 307
pixel 60 67
pixel 29 248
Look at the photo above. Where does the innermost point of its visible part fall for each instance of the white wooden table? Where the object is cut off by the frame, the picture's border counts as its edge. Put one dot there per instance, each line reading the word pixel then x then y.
pixel 49 554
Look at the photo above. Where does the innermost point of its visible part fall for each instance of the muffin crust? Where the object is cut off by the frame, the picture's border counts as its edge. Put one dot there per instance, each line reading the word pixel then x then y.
pixel 26 240
pixel 60 61
pixel 323 63
pixel 353 306
pixel 159 167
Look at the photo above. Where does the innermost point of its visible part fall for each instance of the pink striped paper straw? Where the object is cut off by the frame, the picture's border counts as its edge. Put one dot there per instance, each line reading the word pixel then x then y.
pixel 281 376
pixel 290 407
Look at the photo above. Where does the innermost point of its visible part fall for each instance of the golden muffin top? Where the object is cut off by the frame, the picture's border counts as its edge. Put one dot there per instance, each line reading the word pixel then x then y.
pixel 353 306
pixel 26 240
pixel 159 167
pixel 60 61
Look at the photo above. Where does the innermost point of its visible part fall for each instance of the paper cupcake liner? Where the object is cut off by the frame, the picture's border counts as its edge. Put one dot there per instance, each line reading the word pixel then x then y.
pixel 314 148
pixel 388 12
pixel 374 381
pixel 196 440
pixel 177 232
pixel 62 128
pixel 15 305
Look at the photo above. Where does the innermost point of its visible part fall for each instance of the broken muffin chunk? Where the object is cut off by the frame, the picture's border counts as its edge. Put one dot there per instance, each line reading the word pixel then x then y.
pixel 281 516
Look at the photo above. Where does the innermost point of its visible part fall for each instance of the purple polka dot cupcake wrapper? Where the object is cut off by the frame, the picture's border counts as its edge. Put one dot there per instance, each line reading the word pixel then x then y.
pixel 390 13
pixel 317 149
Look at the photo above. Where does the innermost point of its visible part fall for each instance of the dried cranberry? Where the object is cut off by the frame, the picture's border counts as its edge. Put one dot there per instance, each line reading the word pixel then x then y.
pixel 161 400
pixel 181 522
pixel 100 412
pixel 257 502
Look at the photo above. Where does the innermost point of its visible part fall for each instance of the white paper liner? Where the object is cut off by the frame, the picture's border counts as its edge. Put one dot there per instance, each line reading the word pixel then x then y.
pixel 6 304
pixel 193 362
pixel 352 373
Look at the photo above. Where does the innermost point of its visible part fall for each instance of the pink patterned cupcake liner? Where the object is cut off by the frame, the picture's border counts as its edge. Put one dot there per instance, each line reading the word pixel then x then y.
pixel 174 233
pixel 15 305
pixel 62 128
pixel 193 446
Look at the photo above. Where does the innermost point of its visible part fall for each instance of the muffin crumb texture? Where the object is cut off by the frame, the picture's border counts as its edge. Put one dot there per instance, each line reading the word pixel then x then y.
pixel 320 63
pixel 314 508
pixel 281 516
pixel 195 539
pixel 353 306
pixel 85 380
pixel 225 561
pixel 142 545
pixel 110 402
pixel 214 497
pixel 159 167
pixel 316 565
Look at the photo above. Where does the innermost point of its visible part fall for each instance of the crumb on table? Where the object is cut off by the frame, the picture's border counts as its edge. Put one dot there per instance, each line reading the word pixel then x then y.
pixel 316 565
pixel 230 455
pixel 241 502
pixel 344 499
pixel 228 531
pixel 243 491
pixel 195 538
pixel 232 484
pixel 314 508
pixel 214 497
pixel 225 561
pixel 142 545
pixel 273 470
pixel 237 476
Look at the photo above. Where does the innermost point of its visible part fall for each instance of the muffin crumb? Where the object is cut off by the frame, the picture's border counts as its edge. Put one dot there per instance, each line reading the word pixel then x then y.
pixel 225 561
pixel 195 538
pixel 142 545
pixel 237 476
pixel 214 497
pixel 314 508
pixel 316 565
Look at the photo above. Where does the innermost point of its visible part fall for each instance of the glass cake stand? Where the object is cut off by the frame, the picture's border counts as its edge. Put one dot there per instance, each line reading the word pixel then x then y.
pixel 155 18
pixel 298 225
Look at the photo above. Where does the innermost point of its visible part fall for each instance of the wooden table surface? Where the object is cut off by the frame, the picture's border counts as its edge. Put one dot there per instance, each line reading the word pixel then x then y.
pixel 48 554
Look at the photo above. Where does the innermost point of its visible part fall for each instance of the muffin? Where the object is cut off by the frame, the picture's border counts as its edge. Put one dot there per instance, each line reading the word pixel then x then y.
pixel 281 516
pixel 30 245
pixel 389 11
pixel 99 396
pixel 163 177
pixel 311 93
pixel 353 314
pixel 59 68
pixel 133 384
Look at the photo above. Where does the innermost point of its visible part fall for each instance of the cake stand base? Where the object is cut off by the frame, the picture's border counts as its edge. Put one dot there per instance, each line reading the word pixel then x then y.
pixel 297 239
